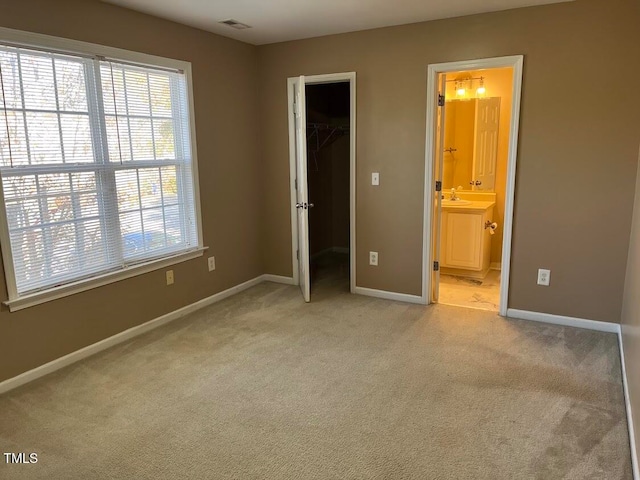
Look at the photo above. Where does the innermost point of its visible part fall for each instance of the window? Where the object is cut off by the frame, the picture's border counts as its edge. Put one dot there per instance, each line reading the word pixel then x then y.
pixel 96 165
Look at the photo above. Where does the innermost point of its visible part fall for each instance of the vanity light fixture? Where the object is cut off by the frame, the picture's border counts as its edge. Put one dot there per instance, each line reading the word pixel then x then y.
pixel 461 86
pixel 481 90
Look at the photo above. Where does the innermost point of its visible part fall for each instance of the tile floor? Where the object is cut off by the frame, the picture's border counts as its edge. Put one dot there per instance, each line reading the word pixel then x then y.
pixel 464 292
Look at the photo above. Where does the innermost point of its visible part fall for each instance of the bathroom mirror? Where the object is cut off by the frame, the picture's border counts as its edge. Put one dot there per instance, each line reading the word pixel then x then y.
pixel 471 144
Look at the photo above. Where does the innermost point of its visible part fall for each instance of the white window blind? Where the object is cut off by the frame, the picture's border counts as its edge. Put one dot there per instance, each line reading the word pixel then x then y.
pixel 96 165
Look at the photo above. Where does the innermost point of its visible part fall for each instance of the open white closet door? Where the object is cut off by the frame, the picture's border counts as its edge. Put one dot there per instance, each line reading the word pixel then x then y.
pixel 438 166
pixel 302 191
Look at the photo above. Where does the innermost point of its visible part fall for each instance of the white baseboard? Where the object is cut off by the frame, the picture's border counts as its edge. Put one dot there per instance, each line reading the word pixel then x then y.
pixel 132 332
pixel 627 401
pixel 267 277
pixel 566 321
pixel 400 297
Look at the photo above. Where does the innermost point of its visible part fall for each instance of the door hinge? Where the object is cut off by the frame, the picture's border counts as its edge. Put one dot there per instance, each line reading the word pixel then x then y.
pixel 296 183
pixel 436 266
pixel 438 186
pixel 298 254
pixel 440 100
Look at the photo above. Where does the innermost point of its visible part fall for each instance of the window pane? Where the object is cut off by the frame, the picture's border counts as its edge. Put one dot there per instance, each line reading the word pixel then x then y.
pixel 23 213
pixel 118 138
pixel 44 138
pixel 63 256
pixel 141 139
pixel 113 90
pixel 160 95
pixel 92 244
pixel 59 209
pixel 132 237
pixel 19 186
pixel 76 138
pixel 28 253
pixel 72 92
pixel 137 90
pixel 150 188
pixel 127 188
pixel 88 205
pixel 173 225
pixel 13 145
pixel 10 79
pixel 37 80
pixel 83 181
pixel 169 185
pixel 164 139
pixel 54 183
pixel 153 222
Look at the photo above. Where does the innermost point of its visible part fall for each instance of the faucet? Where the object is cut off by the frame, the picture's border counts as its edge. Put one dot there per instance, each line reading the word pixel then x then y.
pixel 454 197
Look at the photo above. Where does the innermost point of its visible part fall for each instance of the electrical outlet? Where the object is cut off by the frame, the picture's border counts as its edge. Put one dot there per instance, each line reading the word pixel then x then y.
pixel 375 178
pixel 212 263
pixel 373 258
pixel 544 276
pixel 169 277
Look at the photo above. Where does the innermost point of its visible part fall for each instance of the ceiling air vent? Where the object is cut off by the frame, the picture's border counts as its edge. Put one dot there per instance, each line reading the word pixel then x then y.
pixel 235 24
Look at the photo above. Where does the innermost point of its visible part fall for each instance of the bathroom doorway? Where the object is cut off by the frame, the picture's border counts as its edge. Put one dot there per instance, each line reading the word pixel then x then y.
pixel 471 142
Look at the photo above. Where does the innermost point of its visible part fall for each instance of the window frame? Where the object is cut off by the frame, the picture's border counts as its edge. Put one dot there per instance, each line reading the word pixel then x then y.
pixel 76 47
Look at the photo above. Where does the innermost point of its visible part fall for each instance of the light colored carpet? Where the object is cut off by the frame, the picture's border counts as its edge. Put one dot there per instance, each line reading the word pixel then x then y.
pixel 263 386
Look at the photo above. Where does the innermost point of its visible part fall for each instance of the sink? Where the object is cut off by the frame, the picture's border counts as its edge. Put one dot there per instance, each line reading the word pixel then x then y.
pixel 449 203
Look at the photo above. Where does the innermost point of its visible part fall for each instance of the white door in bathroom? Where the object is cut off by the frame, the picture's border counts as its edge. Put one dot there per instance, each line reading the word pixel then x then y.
pixel 486 143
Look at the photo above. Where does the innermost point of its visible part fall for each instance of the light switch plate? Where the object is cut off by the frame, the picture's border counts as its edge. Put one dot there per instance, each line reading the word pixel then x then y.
pixel 211 261
pixel 375 178
pixel 373 258
pixel 169 277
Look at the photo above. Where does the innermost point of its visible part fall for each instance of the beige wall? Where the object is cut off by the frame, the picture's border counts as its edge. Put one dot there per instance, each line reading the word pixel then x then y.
pixel 459 130
pixel 225 88
pixel 631 315
pixel 577 140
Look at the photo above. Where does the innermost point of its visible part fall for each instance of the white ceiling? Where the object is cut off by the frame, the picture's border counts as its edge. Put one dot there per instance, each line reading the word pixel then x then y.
pixel 281 20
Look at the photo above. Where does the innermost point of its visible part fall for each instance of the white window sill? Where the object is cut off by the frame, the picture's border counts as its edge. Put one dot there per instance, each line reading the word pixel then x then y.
pixel 72 288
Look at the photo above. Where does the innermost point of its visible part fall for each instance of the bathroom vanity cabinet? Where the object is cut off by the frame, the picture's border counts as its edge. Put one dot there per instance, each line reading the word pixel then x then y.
pixel 465 242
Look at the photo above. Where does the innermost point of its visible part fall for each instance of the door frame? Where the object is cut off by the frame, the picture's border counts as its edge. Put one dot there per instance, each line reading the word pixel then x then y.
pixel 516 62
pixel 349 77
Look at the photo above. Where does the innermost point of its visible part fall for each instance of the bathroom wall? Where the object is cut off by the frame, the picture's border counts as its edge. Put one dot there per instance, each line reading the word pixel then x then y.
pixel 459 134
